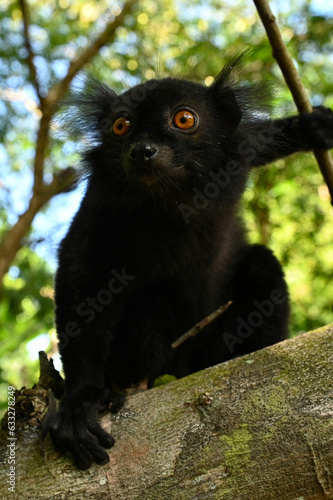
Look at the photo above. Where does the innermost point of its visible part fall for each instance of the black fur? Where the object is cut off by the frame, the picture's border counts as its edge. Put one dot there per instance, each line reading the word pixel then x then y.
pixel 157 243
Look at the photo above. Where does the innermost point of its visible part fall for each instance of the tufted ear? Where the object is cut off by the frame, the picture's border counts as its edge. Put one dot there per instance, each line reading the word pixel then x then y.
pixel 224 94
pixel 229 108
pixel 83 111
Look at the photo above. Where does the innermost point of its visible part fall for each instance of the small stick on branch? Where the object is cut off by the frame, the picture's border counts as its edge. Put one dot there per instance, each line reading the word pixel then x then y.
pixel 202 324
pixel 292 78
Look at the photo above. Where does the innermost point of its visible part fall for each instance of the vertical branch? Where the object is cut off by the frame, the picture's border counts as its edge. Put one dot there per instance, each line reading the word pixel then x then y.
pixel 30 56
pixel 42 137
pixel 281 54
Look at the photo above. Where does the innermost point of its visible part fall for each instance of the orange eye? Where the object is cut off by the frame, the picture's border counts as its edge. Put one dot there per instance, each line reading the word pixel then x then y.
pixel 184 119
pixel 121 126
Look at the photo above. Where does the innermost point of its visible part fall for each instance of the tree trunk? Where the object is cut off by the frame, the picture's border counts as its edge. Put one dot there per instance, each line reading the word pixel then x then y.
pixel 256 427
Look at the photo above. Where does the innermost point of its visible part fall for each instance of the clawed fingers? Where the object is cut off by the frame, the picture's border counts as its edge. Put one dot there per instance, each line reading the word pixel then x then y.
pixel 79 432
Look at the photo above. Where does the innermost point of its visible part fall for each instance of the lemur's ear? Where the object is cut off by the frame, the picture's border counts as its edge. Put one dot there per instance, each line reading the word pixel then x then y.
pixel 228 106
pixel 86 109
pixel 225 96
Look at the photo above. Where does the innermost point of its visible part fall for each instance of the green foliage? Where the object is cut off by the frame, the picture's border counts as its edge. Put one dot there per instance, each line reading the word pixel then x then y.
pixel 164 379
pixel 286 205
pixel 26 311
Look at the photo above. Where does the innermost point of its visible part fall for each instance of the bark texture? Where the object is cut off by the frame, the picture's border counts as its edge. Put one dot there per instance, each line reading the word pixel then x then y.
pixel 255 428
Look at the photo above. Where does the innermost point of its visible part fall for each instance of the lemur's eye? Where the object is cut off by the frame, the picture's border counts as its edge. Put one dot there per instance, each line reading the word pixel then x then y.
pixel 121 126
pixel 185 119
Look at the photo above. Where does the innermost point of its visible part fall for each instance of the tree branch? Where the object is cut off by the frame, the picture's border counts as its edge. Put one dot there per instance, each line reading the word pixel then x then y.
pixel 63 182
pixel 255 427
pixel 41 145
pixel 292 78
pixel 106 37
pixel 58 92
pixel 12 241
pixel 30 56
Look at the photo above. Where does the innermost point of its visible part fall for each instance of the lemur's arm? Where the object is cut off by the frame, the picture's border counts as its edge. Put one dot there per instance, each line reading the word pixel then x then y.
pixel 271 140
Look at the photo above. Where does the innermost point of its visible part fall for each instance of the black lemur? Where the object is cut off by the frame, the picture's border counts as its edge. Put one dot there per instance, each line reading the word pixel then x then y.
pixel 157 243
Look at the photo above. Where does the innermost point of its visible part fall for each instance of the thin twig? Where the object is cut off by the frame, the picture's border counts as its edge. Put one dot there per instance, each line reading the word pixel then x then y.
pixel 281 54
pixel 58 92
pixel 31 55
pixel 202 324
pixel 106 37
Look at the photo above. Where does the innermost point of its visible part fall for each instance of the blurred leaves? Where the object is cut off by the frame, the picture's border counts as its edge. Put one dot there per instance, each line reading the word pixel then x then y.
pixel 26 311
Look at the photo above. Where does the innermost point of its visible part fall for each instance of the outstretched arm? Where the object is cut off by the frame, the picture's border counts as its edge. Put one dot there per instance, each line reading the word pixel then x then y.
pixel 270 140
